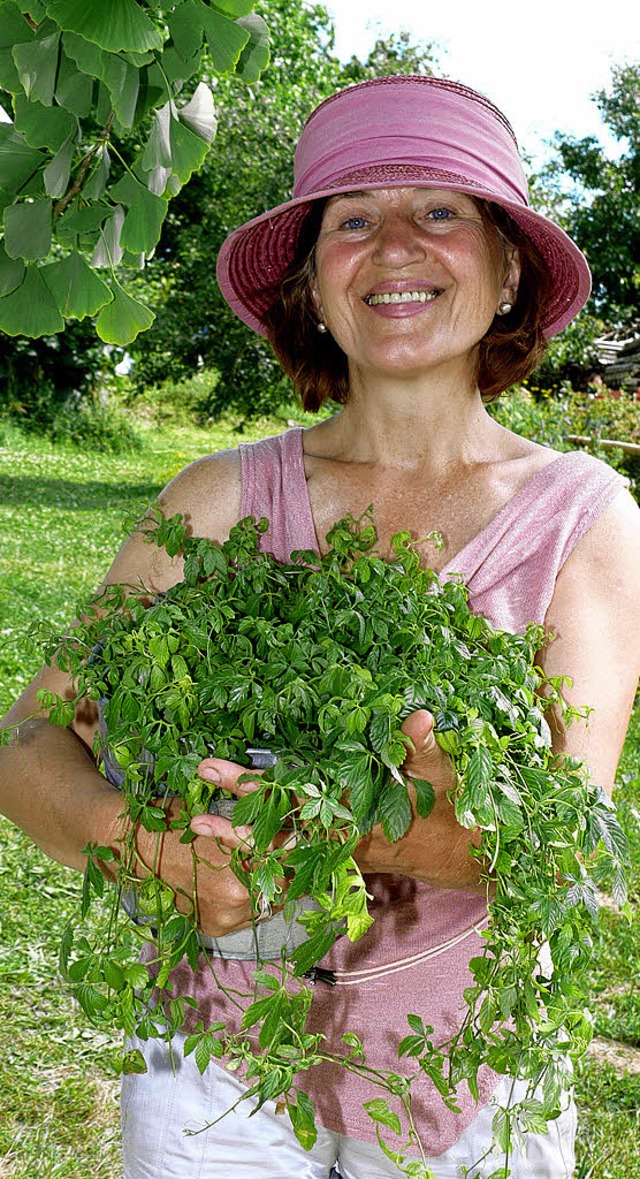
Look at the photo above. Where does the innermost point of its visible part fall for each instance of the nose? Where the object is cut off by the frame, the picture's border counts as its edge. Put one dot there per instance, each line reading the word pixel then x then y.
pixel 398 242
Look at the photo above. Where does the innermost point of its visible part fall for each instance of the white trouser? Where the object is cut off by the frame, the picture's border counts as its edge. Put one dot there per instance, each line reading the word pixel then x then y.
pixel 158 1106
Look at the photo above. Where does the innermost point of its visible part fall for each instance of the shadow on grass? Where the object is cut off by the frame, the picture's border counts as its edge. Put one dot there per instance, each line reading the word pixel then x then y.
pixel 71 494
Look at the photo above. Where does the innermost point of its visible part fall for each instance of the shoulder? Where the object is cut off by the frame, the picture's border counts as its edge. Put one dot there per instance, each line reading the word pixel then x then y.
pixel 602 572
pixel 208 494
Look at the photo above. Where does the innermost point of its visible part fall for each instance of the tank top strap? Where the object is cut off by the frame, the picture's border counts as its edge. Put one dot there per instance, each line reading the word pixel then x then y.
pixel 274 485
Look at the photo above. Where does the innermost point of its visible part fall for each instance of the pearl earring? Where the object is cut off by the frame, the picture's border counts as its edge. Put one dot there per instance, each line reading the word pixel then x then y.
pixel 322 327
pixel 504 308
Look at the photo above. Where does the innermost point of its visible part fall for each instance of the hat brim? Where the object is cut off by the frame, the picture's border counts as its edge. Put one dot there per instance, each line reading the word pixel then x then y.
pixel 254 259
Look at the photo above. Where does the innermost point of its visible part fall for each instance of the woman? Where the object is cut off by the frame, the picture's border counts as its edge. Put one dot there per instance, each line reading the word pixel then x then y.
pixel 408 280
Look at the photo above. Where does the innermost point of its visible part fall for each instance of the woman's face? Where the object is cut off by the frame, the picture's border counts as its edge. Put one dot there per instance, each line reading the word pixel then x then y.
pixel 409 279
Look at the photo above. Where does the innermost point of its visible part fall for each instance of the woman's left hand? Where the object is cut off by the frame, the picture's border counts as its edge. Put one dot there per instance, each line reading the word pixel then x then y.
pixel 434 850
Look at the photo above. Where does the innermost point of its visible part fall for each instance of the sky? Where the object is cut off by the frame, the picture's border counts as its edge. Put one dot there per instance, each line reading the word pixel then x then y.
pixel 539 61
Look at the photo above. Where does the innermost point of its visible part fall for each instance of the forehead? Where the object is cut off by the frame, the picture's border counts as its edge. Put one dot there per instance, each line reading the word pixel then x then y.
pixel 400 194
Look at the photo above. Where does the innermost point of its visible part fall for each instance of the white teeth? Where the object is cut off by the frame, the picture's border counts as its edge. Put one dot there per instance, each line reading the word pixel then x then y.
pixel 401 297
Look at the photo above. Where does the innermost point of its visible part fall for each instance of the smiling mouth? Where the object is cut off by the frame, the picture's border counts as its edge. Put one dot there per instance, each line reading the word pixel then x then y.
pixel 401 297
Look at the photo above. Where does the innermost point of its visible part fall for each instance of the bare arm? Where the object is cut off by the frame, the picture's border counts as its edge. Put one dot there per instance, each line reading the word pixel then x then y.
pixel 594 618
pixel 49 783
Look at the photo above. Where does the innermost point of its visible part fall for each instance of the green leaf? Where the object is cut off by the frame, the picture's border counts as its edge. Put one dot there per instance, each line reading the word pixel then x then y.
pixel 108 251
pixel 133 1062
pixel 78 220
pixel 85 54
pixel 77 290
pixel 188 151
pixel 425 797
pixel 37 64
pixel 35 9
pixel 14 31
pixel 116 26
pixel 56 174
pixel 27 230
pixel 302 1116
pixel 123 82
pixel 74 89
pixel 354 775
pixel 199 113
pixel 123 319
pixel 233 8
pixel 226 39
pixel 12 271
pixel 143 222
pixel 480 769
pixel 43 126
pixel 18 161
pixel 379 1111
pixel 394 811
pixel 186 28
pixel 254 58
pixel 95 186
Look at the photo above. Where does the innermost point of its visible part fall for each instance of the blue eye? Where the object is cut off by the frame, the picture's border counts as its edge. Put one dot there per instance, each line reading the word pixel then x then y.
pixel 354 222
pixel 440 214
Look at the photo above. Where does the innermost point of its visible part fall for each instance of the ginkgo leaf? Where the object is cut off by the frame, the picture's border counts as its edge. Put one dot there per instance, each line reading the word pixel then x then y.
pixel 123 319
pixel 254 58
pixel 157 152
pixel 233 8
pixel 27 230
pixel 99 175
pixel 74 88
pixel 123 82
pixel 11 272
pixel 199 113
pixel 30 310
pixel 108 251
pixel 56 174
pixel 146 213
pixel 14 31
pixel 186 28
pixel 188 151
pixel 43 126
pixel 34 8
pixel 116 26
pixel 86 55
pixel 37 64
pixel 77 290
pixel 226 39
pixel 18 161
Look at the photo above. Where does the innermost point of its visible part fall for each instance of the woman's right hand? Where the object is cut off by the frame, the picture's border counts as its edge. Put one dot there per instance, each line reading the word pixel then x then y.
pixel 222 903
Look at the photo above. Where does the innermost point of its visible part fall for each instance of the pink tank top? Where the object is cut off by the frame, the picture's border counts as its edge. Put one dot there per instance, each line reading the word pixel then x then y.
pixel 414 959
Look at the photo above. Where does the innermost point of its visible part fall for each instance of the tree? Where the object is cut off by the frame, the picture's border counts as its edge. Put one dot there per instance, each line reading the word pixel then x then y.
pixel 111 117
pixel 602 210
pixel 248 171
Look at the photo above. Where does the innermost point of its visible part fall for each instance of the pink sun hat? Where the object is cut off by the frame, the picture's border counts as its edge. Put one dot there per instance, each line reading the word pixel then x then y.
pixel 402 130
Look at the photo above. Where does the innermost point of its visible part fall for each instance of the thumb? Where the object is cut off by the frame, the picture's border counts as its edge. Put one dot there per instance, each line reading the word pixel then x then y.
pixel 426 760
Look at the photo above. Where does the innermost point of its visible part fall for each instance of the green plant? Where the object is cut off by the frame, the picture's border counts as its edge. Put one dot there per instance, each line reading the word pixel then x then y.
pixel 111 116
pixel 323 658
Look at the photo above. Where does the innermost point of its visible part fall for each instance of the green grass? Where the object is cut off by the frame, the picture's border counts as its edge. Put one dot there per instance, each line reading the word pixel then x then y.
pixel 61 515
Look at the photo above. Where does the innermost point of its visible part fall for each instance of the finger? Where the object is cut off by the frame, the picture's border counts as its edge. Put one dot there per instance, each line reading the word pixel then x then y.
pixel 226 773
pixel 426 760
pixel 222 830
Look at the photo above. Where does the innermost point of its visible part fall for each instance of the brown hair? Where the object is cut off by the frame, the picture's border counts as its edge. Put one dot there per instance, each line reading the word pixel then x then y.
pixel 512 348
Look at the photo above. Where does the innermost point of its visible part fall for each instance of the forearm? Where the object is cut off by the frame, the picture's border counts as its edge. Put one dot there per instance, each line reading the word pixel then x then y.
pixel 50 787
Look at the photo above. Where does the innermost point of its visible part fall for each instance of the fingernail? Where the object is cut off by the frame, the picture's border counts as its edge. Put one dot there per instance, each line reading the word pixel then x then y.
pixel 210 775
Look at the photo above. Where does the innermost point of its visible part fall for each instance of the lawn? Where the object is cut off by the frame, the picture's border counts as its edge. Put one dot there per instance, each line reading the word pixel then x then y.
pixel 62 515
